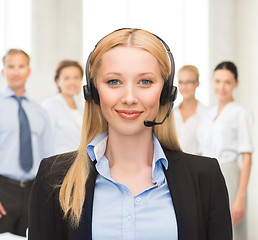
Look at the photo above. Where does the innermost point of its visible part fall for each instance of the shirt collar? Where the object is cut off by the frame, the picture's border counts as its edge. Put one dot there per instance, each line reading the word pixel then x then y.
pixel 97 147
pixel 159 153
pixel 8 92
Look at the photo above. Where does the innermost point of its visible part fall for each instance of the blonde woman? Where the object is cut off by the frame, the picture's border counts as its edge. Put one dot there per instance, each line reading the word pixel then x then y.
pixel 129 178
pixel 189 111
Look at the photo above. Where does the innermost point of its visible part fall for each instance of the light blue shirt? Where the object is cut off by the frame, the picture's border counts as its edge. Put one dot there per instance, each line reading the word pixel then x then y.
pixel 118 215
pixel 9 135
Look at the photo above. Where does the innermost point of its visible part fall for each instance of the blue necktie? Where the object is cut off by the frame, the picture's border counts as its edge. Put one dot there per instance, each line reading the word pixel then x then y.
pixel 25 139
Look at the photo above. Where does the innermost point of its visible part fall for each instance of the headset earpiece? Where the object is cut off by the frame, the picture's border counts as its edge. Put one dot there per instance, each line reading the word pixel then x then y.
pixel 89 90
pixel 86 93
pixel 169 91
pixel 168 95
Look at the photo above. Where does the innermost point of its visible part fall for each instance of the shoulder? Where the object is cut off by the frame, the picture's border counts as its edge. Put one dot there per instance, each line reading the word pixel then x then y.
pixel 177 111
pixel 52 102
pixel 201 107
pixel 238 107
pixel 193 164
pixel 208 113
pixel 37 109
pixel 52 170
pixel 240 112
pixel 1 96
pixel 4 102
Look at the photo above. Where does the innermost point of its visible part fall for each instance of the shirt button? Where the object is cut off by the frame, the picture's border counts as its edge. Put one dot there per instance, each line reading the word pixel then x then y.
pixel 159 184
pixel 129 218
pixel 138 199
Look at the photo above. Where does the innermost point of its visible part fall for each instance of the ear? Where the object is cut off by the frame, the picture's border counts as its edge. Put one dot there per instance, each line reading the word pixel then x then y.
pixel 57 82
pixel 29 72
pixel 237 83
pixel 2 72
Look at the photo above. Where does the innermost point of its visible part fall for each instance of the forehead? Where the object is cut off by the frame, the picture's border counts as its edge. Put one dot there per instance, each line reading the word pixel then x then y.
pixel 186 74
pixel 16 58
pixel 70 69
pixel 129 58
pixel 223 74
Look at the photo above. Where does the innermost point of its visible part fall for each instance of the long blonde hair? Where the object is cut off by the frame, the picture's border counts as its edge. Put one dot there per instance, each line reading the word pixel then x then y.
pixel 72 191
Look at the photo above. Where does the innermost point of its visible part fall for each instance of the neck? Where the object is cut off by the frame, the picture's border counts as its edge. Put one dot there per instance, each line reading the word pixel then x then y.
pixel 133 151
pixel 189 103
pixel 188 108
pixel 70 101
pixel 18 91
pixel 222 104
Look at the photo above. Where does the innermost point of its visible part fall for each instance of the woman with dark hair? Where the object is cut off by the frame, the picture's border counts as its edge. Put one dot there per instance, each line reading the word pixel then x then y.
pixel 225 132
pixel 65 110
pixel 129 178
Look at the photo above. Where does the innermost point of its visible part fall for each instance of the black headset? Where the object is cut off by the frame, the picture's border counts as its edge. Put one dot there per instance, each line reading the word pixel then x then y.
pixel 169 91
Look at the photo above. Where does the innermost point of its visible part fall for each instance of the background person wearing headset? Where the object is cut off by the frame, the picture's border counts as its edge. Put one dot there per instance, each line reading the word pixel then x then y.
pixel 225 132
pixel 65 110
pixel 139 184
pixel 188 112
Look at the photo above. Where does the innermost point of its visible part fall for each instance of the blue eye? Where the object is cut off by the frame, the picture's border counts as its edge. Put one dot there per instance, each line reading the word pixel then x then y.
pixel 145 81
pixel 113 82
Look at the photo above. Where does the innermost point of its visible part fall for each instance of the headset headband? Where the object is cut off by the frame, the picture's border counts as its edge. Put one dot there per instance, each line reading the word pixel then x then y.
pixel 169 91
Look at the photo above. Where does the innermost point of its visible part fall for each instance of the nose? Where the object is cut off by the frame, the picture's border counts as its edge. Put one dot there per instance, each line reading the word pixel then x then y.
pixel 129 95
pixel 222 86
pixel 15 70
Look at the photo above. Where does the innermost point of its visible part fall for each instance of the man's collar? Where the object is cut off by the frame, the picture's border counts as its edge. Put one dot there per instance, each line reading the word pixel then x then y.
pixel 7 92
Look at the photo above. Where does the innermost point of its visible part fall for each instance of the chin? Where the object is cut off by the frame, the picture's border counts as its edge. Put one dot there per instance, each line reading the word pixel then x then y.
pixel 129 129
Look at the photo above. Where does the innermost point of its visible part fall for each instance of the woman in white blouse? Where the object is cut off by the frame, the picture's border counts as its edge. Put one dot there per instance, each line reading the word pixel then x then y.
pixel 66 109
pixel 225 133
pixel 188 113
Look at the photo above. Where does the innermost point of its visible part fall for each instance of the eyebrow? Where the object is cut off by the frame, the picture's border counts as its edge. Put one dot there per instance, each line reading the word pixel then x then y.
pixel 120 74
pixel 112 73
pixel 147 73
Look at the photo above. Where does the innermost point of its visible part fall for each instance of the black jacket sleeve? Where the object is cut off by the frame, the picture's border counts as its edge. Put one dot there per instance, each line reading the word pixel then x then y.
pixel 45 215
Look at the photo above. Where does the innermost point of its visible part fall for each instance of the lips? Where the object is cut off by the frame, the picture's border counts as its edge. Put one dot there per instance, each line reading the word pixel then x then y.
pixel 129 114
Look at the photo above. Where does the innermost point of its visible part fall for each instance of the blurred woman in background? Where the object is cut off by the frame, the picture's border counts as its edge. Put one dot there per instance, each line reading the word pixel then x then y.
pixel 225 132
pixel 66 109
pixel 187 114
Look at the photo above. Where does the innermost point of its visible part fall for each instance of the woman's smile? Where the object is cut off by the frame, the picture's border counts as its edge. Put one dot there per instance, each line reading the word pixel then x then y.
pixel 129 114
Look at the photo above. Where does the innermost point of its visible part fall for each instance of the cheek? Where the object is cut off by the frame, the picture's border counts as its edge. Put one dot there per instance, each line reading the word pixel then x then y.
pixel 215 87
pixel 26 73
pixel 78 83
pixel 106 101
pixel 230 87
pixel 153 102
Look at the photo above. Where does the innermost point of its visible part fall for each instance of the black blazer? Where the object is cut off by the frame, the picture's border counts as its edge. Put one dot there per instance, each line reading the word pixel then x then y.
pixel 196 184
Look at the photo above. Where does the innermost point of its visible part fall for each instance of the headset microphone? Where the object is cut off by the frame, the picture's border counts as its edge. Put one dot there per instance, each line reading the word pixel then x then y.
pixel 153 123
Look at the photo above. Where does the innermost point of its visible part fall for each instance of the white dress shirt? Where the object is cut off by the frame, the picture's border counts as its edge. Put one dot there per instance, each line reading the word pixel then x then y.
pixel 186 131
pixel 66 123
pixel 227 136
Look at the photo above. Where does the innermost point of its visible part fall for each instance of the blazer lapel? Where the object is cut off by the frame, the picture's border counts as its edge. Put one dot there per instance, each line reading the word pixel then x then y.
pixel 84 232
pixel 184 199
